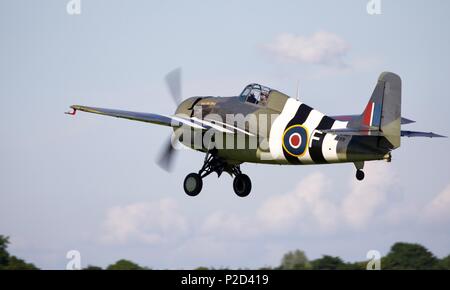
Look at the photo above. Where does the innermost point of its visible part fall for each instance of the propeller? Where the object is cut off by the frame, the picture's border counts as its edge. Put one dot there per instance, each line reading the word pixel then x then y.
pixel 168 152
pixel 165 161
pixel 173 82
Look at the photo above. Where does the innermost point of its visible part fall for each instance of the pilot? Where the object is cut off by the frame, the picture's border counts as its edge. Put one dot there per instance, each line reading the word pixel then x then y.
pixel 252 98
pixel 264 97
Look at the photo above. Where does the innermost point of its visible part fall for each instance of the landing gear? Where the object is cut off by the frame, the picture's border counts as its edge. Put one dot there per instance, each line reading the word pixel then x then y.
pixel 193 182
pixel 242 185
pixel 359 173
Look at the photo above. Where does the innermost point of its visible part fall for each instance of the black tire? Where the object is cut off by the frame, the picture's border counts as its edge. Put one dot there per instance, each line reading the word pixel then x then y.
pixel 359 175
pixel 242 185
pixel 193 184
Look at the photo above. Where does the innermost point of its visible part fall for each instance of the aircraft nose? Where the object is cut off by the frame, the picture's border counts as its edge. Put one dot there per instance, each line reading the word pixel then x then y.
pixel 186 106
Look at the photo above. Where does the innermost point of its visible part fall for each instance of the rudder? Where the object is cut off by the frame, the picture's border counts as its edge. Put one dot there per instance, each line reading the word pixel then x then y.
pixel 392 108
pixel 383 111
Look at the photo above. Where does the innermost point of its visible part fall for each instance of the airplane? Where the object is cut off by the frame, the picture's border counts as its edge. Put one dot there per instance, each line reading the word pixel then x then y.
pixel 264 125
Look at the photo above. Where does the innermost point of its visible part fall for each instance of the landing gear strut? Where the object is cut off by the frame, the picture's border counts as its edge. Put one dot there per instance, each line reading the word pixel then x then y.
pixel 193 182
pixel 359 173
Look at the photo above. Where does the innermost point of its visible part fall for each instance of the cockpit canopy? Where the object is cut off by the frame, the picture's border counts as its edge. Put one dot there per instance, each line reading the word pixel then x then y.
pixel 255 94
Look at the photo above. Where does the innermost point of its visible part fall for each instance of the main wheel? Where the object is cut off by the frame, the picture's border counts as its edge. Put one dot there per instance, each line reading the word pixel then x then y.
pixel 242 185
pixel 193 184
pixel 359 174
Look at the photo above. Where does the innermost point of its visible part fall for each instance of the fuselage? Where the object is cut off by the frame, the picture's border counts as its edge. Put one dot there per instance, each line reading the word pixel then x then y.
pixel 280 130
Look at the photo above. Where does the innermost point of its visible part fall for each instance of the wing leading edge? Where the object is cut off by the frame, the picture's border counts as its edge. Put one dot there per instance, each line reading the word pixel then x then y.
pixel 170 121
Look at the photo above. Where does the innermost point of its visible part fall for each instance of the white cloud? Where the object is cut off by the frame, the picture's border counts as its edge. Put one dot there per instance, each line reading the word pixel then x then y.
pixel 226 224
pixel 147 222
pixel 359 64
pixel 308 209
pixel 302 209
pixel 321 48
pixel 364 198
pixel 304 205
pixel 262 234
pixel 438 210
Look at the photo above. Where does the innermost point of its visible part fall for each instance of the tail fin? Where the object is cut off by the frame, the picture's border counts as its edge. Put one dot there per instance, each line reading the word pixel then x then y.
pixel 383 111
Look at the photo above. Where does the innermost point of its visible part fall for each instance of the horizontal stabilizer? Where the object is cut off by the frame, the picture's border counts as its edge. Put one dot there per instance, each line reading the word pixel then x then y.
pixel 405 121
pixel 421 134
pixel 344 118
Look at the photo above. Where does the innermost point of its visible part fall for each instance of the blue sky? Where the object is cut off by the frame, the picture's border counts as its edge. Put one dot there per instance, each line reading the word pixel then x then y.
pixel 90 183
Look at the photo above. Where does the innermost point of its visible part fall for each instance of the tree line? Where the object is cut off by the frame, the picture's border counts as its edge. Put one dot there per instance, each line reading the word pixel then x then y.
pixel 402 256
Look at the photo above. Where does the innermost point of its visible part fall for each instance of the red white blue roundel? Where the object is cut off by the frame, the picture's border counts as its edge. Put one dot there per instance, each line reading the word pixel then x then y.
pixel 295 140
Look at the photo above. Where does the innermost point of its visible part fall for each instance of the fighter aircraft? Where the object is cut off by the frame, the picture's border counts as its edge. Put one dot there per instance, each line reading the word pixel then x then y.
pixel 263 125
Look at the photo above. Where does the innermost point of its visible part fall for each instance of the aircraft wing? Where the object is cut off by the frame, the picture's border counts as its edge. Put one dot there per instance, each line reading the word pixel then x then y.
pixel 171 121
pixel 421 134
pixel 353 132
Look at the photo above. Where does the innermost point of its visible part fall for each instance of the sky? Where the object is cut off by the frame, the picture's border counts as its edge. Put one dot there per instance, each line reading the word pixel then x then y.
pixel 90 183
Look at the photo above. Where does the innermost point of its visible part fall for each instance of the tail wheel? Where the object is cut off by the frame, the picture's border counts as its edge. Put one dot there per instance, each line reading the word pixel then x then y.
pixel 242 185
pixel 359 174
pixel 193 184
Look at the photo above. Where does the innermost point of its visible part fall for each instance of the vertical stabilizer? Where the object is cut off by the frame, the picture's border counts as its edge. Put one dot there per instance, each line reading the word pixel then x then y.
pixel 383 111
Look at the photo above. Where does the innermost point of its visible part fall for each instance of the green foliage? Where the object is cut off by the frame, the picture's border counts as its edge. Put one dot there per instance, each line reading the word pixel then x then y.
pixel 93 268
pixel 125 265
pixel 265 268
pixel 8 262
pixel 19 264
pixel 401 256
pixel 295 260
pixel 355 266
pixel 4 255
pixel 406 256
pixel 444 263
pixel 328 263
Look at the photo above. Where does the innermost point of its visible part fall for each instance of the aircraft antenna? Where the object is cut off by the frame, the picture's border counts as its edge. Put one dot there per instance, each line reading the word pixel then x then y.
pixel 298 90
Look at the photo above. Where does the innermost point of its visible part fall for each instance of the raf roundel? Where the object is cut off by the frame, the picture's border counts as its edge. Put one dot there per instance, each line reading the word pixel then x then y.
pixel 295 140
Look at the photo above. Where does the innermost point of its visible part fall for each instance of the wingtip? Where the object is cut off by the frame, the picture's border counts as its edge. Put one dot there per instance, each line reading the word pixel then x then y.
pixel 73 112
